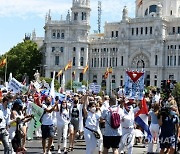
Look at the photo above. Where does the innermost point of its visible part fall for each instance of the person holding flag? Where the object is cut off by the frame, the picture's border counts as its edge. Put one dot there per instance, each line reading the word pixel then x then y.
pixel 47 123
pixel 127 125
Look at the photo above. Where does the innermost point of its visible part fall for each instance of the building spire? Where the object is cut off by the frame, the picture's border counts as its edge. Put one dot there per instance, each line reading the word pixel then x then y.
pixel 49 15
pixel 125 14
pixel 34 34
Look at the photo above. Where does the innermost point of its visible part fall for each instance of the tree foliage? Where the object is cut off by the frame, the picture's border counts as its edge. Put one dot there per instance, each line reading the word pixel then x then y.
pixel 48 80
pixel 176 92
pixel 22 58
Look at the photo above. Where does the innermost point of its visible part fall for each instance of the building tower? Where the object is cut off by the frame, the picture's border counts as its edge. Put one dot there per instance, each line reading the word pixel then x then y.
pixel 149 8
pixel 80 19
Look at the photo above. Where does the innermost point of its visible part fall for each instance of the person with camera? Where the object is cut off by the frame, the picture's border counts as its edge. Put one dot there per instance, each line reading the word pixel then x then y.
pixel 168 123
pixel 4 122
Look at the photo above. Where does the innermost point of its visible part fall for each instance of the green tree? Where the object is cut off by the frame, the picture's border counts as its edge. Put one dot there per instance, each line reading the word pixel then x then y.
pixel 176 92
pixel 48 80
pixel 22 58
pixel 68 84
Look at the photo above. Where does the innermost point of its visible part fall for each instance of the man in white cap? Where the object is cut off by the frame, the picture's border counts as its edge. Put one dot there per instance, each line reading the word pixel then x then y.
pixel 127 124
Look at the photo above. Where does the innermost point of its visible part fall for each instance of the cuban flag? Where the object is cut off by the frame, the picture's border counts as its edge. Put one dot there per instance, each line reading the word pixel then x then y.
pixel 141 118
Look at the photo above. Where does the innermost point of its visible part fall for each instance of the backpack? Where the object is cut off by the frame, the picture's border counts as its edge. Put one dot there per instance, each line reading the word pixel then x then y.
pixel 115 118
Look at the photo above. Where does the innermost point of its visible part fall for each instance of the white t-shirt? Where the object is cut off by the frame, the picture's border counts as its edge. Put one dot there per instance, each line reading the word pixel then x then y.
pixel 92 121
pixel 47 118
pixel 127 119
pixel 121 92
pixel 105 105
pixel 64 117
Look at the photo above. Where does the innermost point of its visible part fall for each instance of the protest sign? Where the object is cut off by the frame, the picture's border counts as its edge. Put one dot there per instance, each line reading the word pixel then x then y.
pixel 35 122
pixel 95 88
pixel 77 84
pixel 16 87
pixel 134 85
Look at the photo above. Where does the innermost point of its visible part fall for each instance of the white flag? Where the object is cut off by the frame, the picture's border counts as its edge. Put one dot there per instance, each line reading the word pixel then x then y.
pixel 52 91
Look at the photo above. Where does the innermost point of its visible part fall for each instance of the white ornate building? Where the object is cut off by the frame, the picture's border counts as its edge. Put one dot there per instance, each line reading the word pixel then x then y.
pixel 150 41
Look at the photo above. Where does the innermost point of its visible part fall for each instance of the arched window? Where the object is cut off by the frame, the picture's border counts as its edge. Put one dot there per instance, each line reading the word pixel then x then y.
pixel 152 8
pixel 140 64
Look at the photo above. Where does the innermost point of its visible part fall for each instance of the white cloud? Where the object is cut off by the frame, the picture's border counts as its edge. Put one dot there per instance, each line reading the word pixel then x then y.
pixel 25 8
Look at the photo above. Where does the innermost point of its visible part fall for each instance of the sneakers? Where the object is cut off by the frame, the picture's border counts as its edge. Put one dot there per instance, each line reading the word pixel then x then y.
pixel 59 151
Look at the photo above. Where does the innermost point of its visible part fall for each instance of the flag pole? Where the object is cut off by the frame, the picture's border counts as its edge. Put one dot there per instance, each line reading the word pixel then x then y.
pixel 71 77
pixel 5 70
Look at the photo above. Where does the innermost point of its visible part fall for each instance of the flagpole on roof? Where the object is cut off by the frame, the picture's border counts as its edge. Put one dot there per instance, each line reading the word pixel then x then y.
pixel 5 70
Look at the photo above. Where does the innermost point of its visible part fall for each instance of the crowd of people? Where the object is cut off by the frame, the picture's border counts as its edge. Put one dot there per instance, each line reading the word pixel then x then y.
pixel 102 121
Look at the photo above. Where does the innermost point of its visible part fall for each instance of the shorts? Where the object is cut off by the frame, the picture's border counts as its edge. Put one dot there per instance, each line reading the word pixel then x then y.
pixel 111 141
pixel 74 124
pixel 47 131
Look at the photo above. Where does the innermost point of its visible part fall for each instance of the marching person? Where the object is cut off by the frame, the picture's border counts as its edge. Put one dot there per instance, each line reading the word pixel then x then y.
pixel 168 123
pixel 4 122
pixel 154 128
pixel 47 124
pixel 111 136
pixel 16 112
pixel 127 124
pixel 62 115
pixel 91 126
pixel 74 122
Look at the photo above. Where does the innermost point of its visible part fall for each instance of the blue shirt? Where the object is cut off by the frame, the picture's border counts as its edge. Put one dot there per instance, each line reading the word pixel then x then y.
pixel 154 119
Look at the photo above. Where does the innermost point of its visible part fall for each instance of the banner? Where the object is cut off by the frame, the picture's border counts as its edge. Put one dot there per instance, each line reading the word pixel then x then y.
pixel 134 85
pixel 35 122
pixel 16 87
pixel 93 87
pixel 77 84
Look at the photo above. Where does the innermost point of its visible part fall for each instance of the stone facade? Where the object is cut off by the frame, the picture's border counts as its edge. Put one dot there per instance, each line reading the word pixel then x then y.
pixel 150 42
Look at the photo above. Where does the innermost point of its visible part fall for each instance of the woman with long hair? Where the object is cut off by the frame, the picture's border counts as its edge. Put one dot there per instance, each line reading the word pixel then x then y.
pixel 62 115
pixel 154 128
pixel 16 113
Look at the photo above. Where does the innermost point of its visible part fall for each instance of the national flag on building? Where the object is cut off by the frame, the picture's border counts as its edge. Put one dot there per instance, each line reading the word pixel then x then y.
pixel 68 66
pixel 60 73
pixel 85 69
pixel 106 73
pixel 110 70
pixel 3 62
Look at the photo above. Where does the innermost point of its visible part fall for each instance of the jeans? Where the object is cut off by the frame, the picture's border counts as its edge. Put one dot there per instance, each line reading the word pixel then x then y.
pixel 4 137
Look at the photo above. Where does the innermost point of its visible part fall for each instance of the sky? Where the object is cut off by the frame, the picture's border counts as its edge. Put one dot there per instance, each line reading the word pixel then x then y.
pixel 18 17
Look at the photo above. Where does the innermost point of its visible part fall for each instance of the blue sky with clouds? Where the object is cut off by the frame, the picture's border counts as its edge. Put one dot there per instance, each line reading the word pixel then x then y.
pixel 18 17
